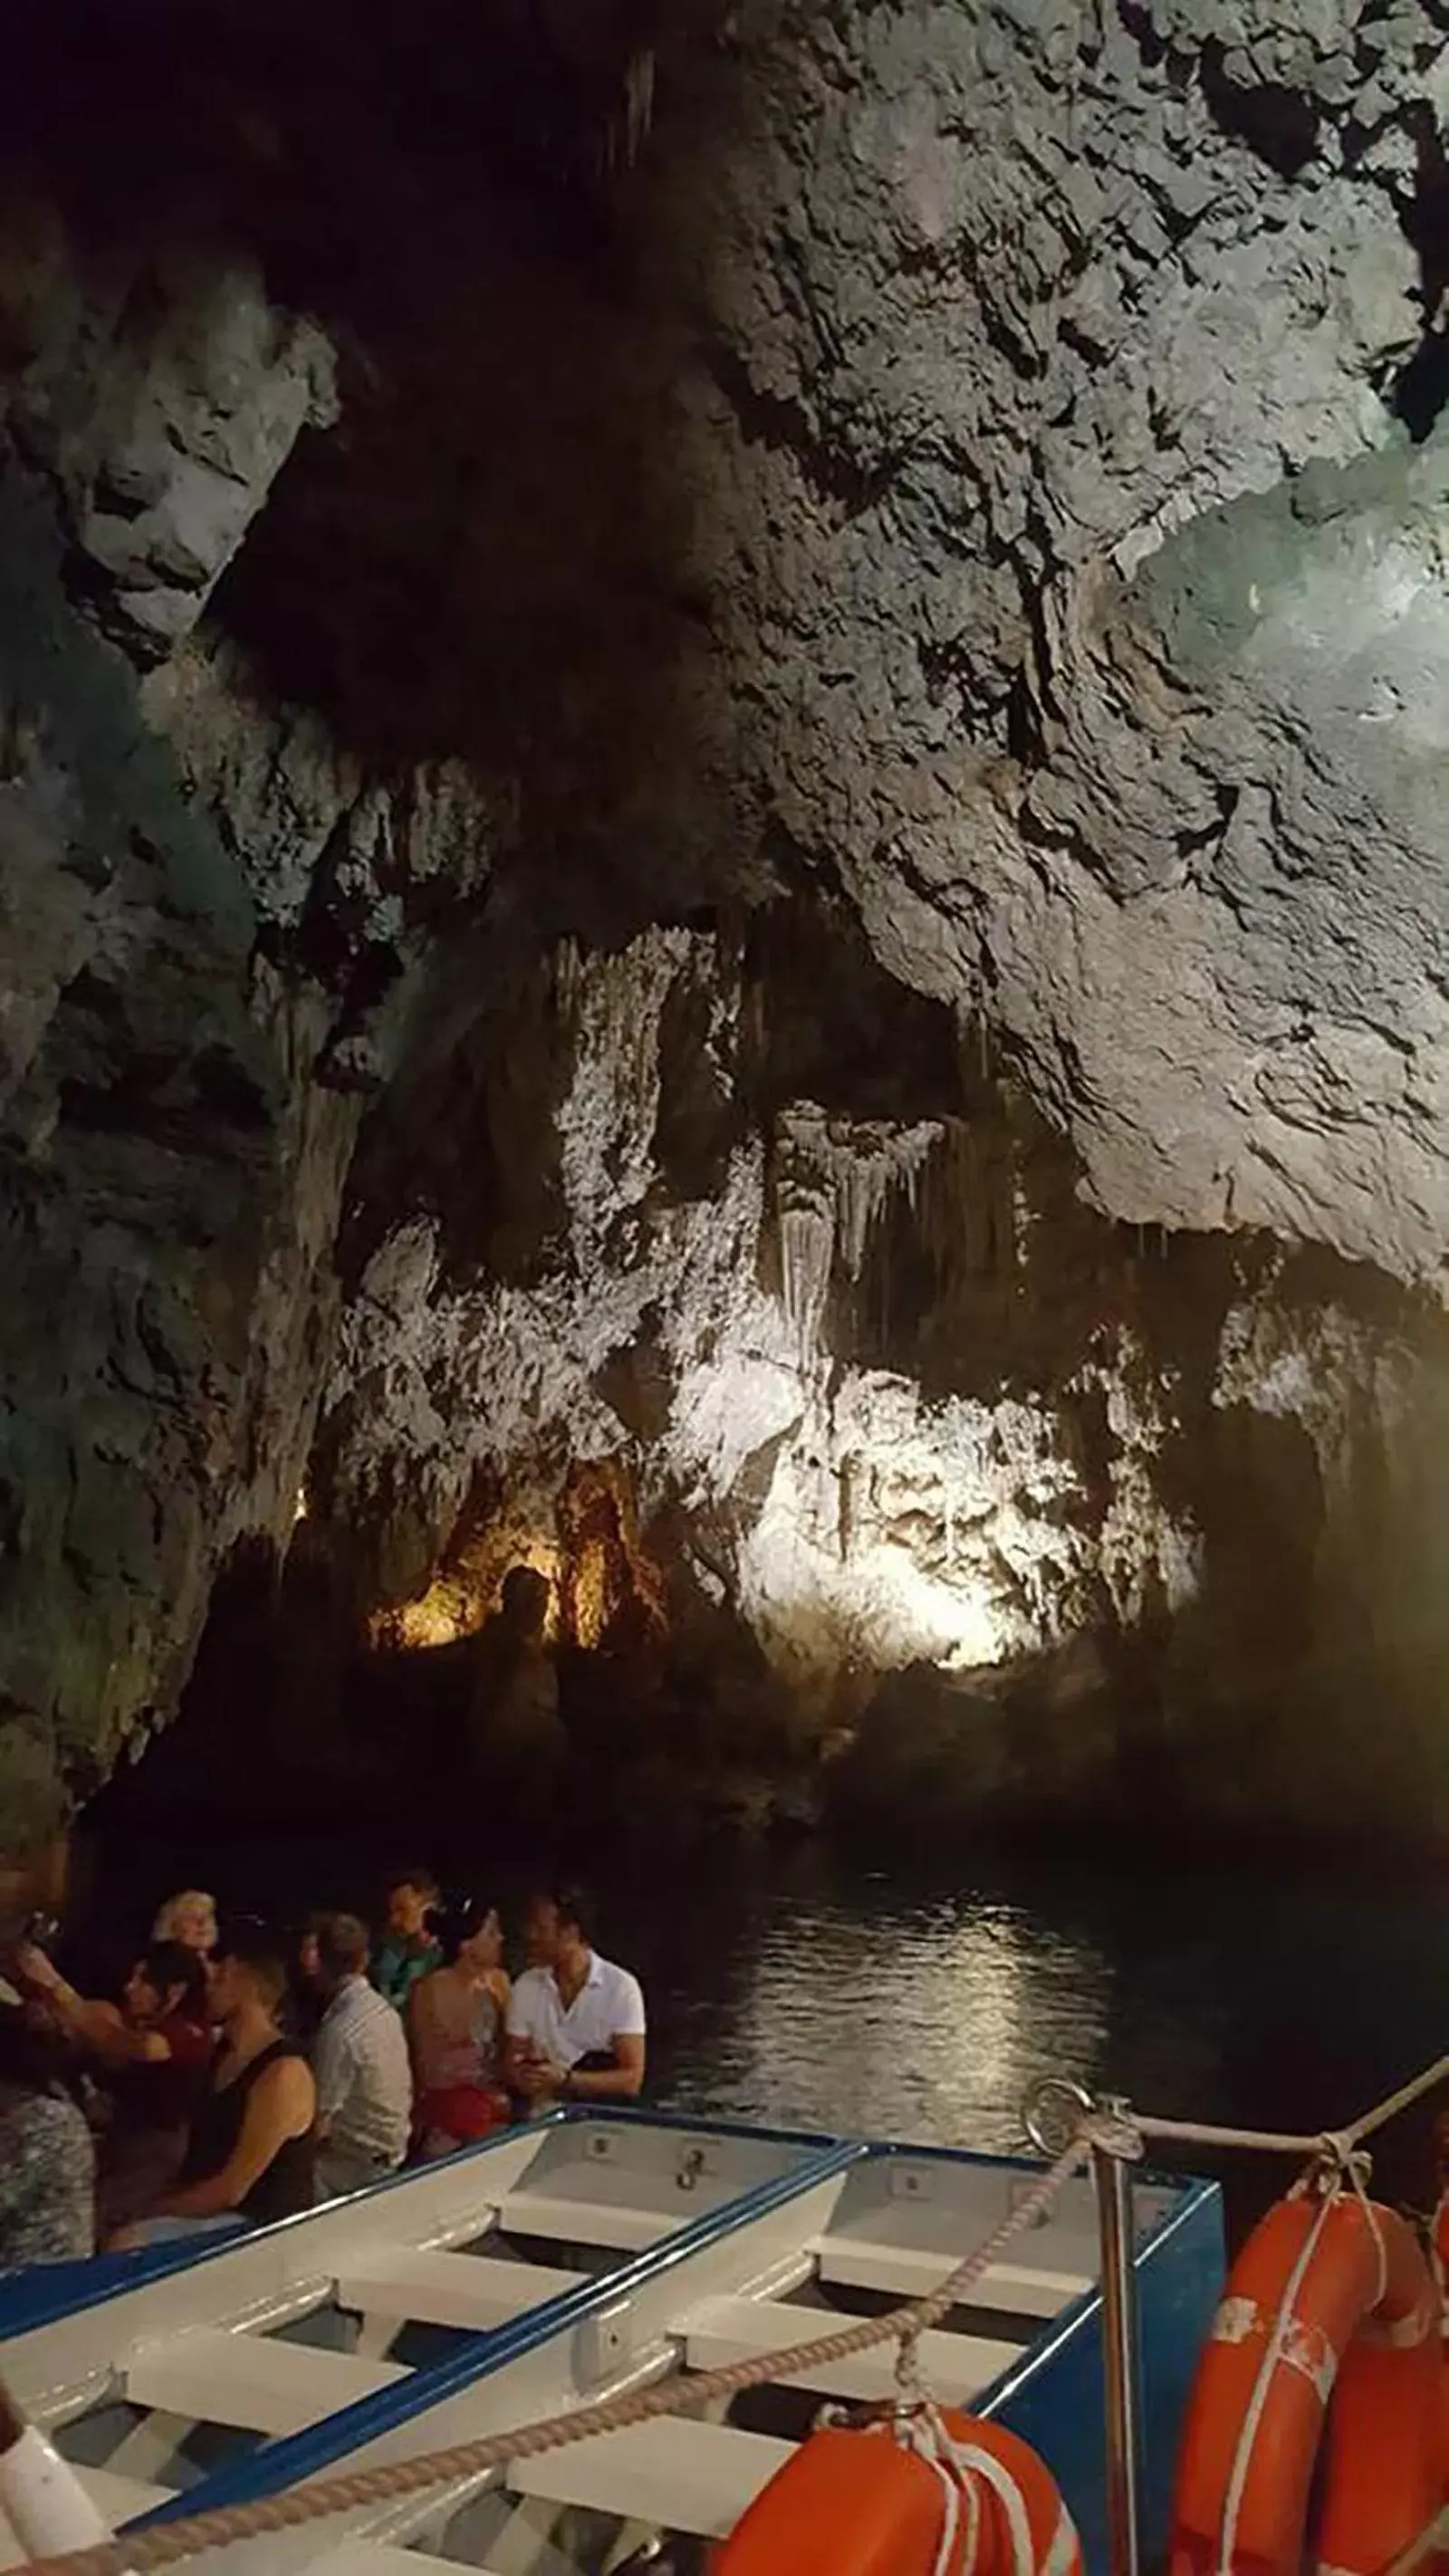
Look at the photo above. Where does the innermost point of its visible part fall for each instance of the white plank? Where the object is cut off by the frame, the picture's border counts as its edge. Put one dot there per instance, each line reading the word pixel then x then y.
pixel 955 2367
pixel 584 2222
pixel 385 2558
pixel 250 2380
pixel 676 2476
pixel 118 2499
pixel 1030 2289
pixel 903 2271
pixel 121 2499
pixel 471 2291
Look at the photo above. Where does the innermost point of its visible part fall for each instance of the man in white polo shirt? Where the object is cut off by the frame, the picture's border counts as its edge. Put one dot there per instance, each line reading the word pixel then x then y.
pixel 575 2021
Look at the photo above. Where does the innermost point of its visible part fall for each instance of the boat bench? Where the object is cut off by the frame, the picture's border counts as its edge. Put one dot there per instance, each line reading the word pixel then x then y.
pixel 385 2558
pixel 955 2367
pixel 904 2271
pixel 585 2222
pixel 251 2381
pixel 469 2291
pixel 696 2478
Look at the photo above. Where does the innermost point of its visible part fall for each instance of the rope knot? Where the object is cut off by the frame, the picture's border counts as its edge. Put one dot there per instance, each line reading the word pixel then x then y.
pixel 1114 2132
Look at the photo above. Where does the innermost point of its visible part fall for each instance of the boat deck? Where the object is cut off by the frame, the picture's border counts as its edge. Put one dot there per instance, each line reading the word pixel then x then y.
pixel 562 2274
pixel 261 2336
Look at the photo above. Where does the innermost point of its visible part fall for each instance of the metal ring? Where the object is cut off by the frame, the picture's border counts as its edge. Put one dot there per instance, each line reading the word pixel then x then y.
pixel 1049 2130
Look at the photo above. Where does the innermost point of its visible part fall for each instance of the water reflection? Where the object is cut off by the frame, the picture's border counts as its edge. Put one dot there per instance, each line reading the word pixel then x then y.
pixel 932 2020
pixel 804 1994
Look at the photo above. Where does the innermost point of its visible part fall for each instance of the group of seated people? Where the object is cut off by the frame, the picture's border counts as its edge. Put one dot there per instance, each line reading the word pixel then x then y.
pixel 229 2085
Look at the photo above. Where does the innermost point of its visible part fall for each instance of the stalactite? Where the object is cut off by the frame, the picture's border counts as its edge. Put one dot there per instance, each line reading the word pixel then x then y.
pixel 613 1005
pixel 835 1180
pixel 807 1252
pixel 951 1203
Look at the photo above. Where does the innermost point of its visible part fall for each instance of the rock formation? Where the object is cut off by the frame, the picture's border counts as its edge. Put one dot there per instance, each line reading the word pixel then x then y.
pixel 664 687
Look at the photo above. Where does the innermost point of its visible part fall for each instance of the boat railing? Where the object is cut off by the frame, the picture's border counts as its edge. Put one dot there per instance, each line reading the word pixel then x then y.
pixel 1117 2137
pixel 1068 2125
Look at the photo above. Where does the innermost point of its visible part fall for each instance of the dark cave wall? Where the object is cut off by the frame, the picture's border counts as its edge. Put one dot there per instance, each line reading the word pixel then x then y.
pixel 161 1292
pixel 210 918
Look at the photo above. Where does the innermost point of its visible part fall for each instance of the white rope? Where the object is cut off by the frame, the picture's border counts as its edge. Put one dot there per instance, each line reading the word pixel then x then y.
pixel 1354 2170
pixel 1337 2144
pixel 974 2462
pixel 1400 2101
pixel 1262 2386
pixel 972 2549
pixel 1431 2542
pixel 962 2467
pixel 959 2466
pixel 1436 2259
pixel 950 2515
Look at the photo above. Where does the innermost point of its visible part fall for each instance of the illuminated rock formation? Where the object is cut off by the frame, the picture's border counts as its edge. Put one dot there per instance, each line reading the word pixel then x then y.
pixel 501 529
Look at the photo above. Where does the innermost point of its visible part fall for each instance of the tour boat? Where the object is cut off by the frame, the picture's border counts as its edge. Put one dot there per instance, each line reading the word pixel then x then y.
pixel 585 2255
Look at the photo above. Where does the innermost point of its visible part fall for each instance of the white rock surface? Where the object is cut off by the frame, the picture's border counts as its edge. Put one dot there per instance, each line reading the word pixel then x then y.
pixel 890 1526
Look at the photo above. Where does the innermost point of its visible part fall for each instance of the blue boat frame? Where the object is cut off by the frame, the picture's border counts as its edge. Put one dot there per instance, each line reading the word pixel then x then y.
pixel 289 2457
pixel 1052 2397
pixel 50 2291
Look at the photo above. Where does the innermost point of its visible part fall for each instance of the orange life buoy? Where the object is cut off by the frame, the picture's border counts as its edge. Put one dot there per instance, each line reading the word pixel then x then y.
pixel 1325 2298
pixel 865 2504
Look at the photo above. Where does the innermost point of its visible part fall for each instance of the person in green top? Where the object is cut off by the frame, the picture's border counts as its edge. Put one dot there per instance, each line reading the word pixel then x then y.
pixel 411 1949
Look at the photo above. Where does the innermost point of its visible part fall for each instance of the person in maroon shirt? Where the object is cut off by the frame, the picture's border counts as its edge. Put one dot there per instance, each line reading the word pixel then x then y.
pixel 152 2053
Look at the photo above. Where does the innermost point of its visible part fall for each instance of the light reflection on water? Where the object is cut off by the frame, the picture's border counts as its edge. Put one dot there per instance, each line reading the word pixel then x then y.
pixel 803 1993
pixel 933 2021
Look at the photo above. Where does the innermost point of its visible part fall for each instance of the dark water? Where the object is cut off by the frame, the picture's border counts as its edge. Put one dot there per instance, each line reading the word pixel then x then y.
pixel 793 1988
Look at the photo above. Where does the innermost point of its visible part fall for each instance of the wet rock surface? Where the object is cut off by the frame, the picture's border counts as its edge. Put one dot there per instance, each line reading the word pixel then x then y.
pixel 522 545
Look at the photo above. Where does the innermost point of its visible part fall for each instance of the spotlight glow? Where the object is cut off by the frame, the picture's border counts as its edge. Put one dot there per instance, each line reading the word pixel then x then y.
pixel 457 1603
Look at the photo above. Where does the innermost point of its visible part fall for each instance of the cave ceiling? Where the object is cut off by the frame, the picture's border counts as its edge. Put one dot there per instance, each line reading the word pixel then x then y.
pixel 985 458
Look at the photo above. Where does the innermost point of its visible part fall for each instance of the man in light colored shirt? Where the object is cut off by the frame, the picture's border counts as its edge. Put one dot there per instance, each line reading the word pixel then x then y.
pixel 575 2021
pixel 360 2057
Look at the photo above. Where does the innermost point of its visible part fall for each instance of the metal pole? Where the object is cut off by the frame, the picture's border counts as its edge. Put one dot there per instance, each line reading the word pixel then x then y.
pixel 1120 2357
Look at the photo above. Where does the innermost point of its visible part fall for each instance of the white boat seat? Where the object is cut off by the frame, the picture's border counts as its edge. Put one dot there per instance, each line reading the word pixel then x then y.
pixel 251 2380
pixel 903 2271
pixel 385 2558
pixel 584 2222
pixel 470 2291
pixel 955 2367
pixel 118 2499
pixel 676 2475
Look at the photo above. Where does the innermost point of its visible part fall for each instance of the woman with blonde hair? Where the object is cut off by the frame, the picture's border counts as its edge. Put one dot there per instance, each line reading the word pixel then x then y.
pixel 189 1918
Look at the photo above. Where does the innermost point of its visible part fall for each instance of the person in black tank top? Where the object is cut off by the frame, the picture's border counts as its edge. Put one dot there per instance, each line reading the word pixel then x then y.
pixel 252 2142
